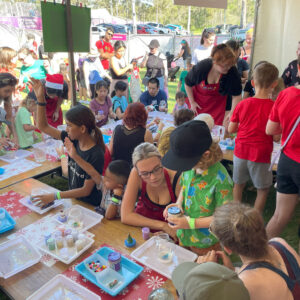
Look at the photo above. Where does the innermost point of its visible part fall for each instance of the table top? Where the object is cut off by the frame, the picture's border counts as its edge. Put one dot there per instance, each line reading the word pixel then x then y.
pixel 28 281
pixel 45 168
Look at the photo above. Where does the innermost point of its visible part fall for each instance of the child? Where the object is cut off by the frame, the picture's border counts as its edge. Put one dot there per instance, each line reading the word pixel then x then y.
pixel 24 127
pixel 88 144
pixel 181 82
pixel 101 106
pixel 180 102
pixel 63 70
pixel 253 147
pixel 134 83
pixel 119 100
pixel 205 184
pixel 115 180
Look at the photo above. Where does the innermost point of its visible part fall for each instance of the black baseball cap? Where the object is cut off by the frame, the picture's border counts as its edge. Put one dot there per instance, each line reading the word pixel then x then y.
pixel 188 142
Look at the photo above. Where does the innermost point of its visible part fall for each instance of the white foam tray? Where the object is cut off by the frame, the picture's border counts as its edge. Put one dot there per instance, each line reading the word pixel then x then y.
pixel 90 218
pixel 54 288
pixel 17 255
pixel 55 253
pixel 147 255
pixel 37 209
pixel 19 154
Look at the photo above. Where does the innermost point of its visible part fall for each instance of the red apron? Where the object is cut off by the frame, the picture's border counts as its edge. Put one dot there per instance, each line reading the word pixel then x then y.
pixel 210 101
pixel 50 109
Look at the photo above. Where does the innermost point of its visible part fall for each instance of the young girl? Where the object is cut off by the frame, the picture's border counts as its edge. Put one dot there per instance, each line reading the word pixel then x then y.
pixel 88 142
pixel 101 106
pixel 205 184
pixel 24 127
pixel 180 102
pixel 119 100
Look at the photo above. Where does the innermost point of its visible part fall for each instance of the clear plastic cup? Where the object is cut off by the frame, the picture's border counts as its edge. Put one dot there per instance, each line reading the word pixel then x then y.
pixel 165 250
pixel 39 155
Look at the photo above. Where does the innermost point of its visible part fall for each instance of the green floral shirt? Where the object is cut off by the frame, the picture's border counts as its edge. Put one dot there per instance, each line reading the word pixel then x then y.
pixel 202 194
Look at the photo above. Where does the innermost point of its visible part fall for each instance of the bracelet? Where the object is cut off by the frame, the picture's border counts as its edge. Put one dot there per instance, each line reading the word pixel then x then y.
pixel 115 200
pixel 191 222
pixel 62 156
pixel 41 103
pixel 58 195
pixel 159 131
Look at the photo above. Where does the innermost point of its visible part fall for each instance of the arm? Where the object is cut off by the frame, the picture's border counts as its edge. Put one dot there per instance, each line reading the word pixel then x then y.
pixel 86 72
pixel 119 113
pixel 233 127
pixel 41 120
pixel 178 86
pixel 245 76
pixel 117 69
pixel 111 114
pixel 180 53
pixel 112 208
pixel 148 136
pixel 63 160
pixel 144 61
pixel 58 106
pixel 189 92
pixel 11 119
pixel 166 72
pixel 246 95
pixel 101 70
pixel 28 127
pixel 273 128
pixel 105 55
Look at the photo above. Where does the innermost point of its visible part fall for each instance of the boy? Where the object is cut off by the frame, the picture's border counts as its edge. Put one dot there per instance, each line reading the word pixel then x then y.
pixel 181 82
pixel 253 148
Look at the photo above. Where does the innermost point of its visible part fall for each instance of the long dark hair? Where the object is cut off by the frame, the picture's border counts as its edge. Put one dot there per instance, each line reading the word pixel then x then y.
pixel 82 115
pixel 188 49
pixel 206 34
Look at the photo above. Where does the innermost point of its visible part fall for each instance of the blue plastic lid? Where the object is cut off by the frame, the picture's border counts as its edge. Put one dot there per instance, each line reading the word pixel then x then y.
pixel 174 210
pixel 114 256
pixel 2 170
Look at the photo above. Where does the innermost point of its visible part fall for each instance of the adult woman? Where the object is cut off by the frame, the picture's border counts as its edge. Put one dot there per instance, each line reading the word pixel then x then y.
pixel 284 115
pixel 291 75
pixel 210 82
pixel 132 133
pixel 246 49
pixel 206 44
pixel 156 64
pixel 157 187
pixel 185 52
pixel 270 269
pixel 119 66
pixel 8 58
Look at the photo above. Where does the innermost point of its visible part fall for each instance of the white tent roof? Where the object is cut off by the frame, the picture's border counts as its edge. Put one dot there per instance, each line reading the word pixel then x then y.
pixel 203 3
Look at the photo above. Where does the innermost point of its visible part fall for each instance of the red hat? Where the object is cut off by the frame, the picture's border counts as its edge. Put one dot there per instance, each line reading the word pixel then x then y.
pixel 55 81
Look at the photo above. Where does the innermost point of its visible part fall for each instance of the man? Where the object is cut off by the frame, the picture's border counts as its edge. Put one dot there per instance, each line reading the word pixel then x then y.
pixel 105 48
pixel 291 76
pixel 154 98
pixel 7 87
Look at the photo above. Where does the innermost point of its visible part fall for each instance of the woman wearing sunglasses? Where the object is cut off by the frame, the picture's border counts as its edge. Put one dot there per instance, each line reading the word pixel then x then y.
pixel 154 186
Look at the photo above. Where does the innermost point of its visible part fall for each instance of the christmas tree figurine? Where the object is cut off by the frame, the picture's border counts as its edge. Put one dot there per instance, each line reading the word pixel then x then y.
pixel 130 242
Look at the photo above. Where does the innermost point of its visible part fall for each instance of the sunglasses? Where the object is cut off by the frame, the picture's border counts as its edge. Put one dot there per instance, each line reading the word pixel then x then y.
pixel 151 48
pixel 110 33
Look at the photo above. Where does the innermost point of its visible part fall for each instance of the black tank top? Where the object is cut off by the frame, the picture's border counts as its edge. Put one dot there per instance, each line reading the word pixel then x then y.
pixel 125 141
pixel 155 66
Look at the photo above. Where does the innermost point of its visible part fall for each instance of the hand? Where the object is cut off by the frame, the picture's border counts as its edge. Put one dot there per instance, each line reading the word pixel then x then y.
pixel 161 126
pixel 150 107
pixel 100 117
pixel 16 142
pixel 179 222
pixel 226 260
pixel 170 231
pixel 211 256
pixel 165 213
pixel 60 151
pixel 35 137
pixel 118 191
pixel 194 107
pixel 156 120
pixel 227 120
pixel 113 115
pixel 4 142
pixel 38 89
pixel 55 116
pixel 70 148
pixel 42 200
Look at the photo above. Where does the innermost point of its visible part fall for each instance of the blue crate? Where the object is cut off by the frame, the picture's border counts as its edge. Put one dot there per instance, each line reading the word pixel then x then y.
pixel 7 223
pixel 129 271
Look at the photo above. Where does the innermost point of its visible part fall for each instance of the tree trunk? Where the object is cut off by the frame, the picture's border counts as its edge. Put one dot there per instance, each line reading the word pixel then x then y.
pixel 244 14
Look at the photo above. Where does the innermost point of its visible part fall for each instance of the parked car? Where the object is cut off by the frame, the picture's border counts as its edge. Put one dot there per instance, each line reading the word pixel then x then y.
pixel 173 28
pixel 160 27
pixel 150 29
pixel 101 30
pixel 117 28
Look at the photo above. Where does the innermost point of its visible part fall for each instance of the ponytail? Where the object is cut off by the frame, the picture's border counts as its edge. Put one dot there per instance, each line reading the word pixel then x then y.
pixel 98 138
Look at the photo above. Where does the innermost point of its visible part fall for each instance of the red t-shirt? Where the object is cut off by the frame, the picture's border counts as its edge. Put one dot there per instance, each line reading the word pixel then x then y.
pixel 107 47
pixel 252 142
pixel 285 111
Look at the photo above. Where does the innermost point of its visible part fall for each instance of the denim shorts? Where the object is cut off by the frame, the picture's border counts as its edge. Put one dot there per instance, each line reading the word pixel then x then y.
pixel 259 173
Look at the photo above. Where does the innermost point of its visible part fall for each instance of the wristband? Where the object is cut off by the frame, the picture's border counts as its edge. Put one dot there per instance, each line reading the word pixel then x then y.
pixel 115 200
pixel 159 131
pixel 62 156
pixel 191 222
pixel 41 103
pixel 58 195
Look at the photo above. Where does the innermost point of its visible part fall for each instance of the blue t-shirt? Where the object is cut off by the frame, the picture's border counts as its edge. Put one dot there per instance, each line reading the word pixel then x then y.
pixel 147 99
pixel 119 102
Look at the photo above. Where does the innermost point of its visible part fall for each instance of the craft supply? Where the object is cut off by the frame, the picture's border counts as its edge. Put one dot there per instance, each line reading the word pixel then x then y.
pixel 81 236
pixel 75 235
pixel 47 236
pixel 113 283
pixel 130 242
pixel 114 260
pixel 174 211
pixel 2 170
pixel 146 233
pixel 70 240
pixel 59 242
pixel 57 233
pixel 51 244
pixel 68 231
pixel 62 229
pixel 96 266
pixel 64 253
pixel 62 217
pixel 79 245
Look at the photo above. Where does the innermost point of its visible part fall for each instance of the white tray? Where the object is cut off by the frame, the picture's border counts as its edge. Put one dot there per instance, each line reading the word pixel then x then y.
pixel 55 288
pixel 19 154
pixel 147 255
pixel 90 218
pixel 42 246
pixel 37 209
pixel 17 255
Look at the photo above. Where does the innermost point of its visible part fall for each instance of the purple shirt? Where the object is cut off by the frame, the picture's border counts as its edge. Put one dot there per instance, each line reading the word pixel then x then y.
pixel 95 106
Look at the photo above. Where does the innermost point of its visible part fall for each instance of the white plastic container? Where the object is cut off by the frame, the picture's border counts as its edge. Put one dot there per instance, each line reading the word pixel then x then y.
pixel 61 287
pixel 17 255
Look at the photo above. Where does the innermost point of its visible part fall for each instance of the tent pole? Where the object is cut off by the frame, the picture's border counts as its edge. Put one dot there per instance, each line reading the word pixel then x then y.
pixel 71 52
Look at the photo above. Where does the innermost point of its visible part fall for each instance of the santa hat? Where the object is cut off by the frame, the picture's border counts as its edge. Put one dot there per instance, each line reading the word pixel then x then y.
pixel 55 81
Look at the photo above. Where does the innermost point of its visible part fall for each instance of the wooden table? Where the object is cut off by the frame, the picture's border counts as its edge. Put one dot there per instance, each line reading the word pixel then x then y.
pixel 28 281
pixel 47 167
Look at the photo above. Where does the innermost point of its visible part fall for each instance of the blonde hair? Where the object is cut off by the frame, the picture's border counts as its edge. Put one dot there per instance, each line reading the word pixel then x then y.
pixel 207 118
pixel 164 141
pixel 240 228
pixel 144 151
pixel 6 55
pixel 265 74
pixel 215 155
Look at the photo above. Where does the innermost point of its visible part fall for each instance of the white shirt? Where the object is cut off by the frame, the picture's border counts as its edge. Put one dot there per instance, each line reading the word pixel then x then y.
pixel 201 53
